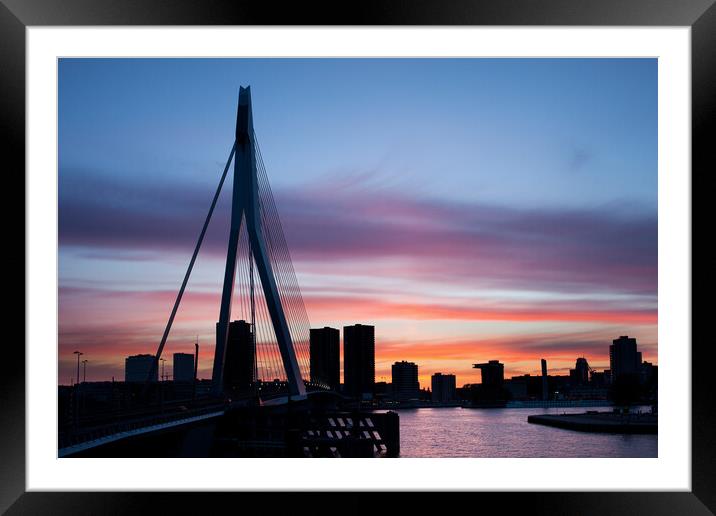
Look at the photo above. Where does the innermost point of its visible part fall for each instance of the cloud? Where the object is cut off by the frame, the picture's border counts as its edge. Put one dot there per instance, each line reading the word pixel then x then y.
pixel 399 257
pixel 348 307
pixel 612 248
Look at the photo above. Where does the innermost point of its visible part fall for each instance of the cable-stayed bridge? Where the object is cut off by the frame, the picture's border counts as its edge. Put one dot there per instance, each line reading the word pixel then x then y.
pixel 260 373
pixel 259 274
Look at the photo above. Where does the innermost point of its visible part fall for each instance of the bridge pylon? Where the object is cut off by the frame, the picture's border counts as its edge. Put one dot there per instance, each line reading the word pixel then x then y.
pixel 245 206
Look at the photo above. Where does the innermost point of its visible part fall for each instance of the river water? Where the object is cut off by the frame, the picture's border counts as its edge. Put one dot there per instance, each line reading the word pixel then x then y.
pixel 459 432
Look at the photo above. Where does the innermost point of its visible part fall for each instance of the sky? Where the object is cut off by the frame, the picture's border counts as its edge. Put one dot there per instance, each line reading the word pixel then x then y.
pixel 470 209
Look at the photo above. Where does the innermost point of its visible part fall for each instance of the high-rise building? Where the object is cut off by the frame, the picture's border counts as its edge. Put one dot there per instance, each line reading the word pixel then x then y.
pixel 648 372
pixel 325 357
pixel 239 363
pixel 359 360
pixel 443 387
pixel 580 374
pixel 492 372
pixel 183 366
pixel 545 395
pixel 518 386
pixel 599 379
pixel 405 381
pixel 623 357
pixel 608 379
pixel 137 367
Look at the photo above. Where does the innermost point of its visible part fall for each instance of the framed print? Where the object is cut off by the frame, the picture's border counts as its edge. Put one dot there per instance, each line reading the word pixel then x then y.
pixel 418 249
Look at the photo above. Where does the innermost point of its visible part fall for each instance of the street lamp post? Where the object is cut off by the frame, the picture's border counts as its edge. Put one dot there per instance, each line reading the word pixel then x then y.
pixel 77 389
pixel 161 387
pixel 78 353
pixel 196 367
pixel 84 370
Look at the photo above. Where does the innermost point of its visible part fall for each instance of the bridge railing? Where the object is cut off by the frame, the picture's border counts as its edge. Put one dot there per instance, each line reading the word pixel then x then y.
pixel 84 435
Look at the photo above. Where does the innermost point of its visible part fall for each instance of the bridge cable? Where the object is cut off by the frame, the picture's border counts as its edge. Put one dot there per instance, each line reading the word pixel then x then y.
pixel 280 257
pixel 289 281
pixel 155 363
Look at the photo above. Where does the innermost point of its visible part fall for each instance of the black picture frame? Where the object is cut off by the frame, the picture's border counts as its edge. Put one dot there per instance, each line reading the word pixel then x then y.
pixel 700 15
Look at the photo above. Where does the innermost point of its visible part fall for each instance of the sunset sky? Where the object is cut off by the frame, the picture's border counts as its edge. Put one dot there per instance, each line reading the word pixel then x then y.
pixel 470 209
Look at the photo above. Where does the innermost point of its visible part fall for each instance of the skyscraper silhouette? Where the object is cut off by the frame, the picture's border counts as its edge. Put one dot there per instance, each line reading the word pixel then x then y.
pixel 580 374
pixel 624 359
pixel 359 360
pixel 183 367
pixel 492 372
pixel 443 387
pixel 325 357
pixel 240 357
pixel 137 367
pixel 405 380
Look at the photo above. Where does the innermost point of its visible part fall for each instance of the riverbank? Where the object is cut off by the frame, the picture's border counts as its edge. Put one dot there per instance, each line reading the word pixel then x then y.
pixel 603 422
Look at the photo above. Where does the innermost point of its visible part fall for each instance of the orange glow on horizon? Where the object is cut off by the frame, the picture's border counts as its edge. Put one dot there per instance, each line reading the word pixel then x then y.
pixel 95 331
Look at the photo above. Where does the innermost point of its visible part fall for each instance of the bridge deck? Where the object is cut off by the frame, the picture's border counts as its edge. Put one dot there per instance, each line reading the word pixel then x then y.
pixel 115 434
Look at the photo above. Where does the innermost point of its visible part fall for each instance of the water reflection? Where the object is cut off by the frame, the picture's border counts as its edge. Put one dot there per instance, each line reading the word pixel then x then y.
pixel 458 432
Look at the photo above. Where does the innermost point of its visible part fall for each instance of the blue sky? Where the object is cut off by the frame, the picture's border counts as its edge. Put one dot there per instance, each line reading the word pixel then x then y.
pixel 535 131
